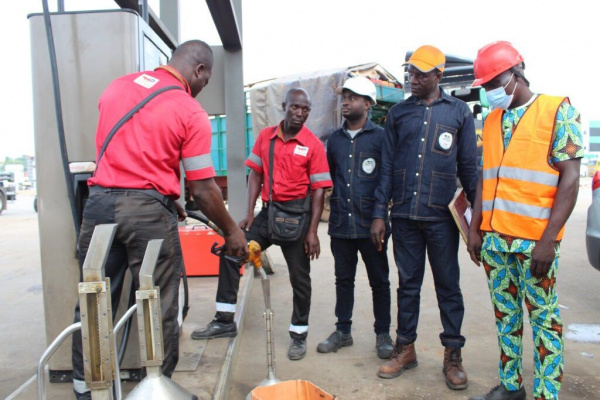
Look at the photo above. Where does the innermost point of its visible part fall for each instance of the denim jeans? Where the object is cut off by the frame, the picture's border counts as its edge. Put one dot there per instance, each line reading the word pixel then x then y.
pixel 345 255
pixel 439 239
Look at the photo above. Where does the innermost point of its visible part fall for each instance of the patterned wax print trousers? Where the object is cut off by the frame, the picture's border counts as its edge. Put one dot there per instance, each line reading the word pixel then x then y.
pixel 510 283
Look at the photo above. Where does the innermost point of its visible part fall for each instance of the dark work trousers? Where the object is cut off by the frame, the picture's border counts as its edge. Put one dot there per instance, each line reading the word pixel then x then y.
pixel 299 269
pixel 140 218
pixel 345 255
pixel 440 240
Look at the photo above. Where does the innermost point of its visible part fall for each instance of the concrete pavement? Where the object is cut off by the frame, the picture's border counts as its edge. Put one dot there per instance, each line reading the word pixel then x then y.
pixel 351 372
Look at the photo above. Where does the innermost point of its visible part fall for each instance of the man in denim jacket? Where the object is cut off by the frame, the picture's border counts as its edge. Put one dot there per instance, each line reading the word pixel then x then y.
pixel 429 142
pixel 354 157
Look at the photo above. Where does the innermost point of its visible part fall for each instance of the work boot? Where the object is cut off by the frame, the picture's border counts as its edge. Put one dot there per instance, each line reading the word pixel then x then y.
pixel 500 393
pixel 335 341
pixel 216 329
pixel 456 377
pixel 384 345
pixel 297 349
pixel 403 357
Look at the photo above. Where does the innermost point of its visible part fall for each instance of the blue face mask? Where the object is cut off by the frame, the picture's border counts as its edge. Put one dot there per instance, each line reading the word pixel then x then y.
pixel 498 97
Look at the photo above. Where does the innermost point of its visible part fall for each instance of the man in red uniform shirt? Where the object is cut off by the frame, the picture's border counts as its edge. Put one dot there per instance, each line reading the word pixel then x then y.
pixel 137 180
pixel 299 164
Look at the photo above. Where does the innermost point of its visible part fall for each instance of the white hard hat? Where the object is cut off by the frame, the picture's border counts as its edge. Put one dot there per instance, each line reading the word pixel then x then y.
pixel 360 85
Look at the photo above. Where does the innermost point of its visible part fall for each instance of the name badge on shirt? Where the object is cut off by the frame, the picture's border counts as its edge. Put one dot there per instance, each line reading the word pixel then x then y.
pixel 146 81
pixel 445 140
pixel 301 150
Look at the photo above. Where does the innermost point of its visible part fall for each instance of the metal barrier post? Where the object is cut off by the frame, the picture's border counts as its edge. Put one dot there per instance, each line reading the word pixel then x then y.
pixel 41 381
pixel 96 315
pixel 155 386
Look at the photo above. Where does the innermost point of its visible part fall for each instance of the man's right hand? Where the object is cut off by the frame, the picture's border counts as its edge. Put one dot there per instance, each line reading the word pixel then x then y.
pixel 236 244
pixel 247 222
pixel 474 246
pixel 378 233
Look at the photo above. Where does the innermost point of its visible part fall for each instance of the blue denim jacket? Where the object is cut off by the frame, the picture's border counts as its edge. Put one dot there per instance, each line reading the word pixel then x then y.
pixel 426 147
pixel 354 165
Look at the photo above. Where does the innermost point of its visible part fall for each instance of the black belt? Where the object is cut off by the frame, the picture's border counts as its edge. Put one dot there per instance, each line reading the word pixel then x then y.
pixel 167 201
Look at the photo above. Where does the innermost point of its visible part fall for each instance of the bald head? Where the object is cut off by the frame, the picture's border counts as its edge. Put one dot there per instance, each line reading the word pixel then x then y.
pixel 194 61
pixel 193 52
pixel 296 91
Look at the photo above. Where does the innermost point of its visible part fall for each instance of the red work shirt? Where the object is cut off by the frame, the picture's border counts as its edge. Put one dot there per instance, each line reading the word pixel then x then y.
pixel 146 151
pixel 297 163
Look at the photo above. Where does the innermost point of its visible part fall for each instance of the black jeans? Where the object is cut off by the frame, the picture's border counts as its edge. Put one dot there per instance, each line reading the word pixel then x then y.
pixel 345 255
pixel 298 266
pixel 440 239
pixel 140 218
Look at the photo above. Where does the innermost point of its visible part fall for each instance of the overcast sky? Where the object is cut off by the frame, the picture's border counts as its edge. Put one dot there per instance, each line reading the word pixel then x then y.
pixel 559 40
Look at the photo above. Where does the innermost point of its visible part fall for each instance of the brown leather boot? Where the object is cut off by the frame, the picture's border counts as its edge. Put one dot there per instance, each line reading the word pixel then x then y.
pixel 404 357
pixel 456 377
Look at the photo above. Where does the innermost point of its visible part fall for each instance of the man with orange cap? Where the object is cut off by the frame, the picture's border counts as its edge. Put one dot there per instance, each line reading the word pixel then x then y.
pixel 429 142
pixel 532 148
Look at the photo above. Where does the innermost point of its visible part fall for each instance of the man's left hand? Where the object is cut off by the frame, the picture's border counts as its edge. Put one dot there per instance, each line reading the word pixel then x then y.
pixel 312 248
pixel 181 214
pixel 542 258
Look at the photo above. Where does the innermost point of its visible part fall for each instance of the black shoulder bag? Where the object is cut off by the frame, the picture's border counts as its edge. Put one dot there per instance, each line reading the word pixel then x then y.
pixel 288 220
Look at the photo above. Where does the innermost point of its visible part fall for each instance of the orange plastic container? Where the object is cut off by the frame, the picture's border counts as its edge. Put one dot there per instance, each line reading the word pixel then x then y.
pixel 196 241
pixel 291 390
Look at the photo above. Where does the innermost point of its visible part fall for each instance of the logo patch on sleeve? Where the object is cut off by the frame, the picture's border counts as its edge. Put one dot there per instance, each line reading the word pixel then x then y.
pixel 146 81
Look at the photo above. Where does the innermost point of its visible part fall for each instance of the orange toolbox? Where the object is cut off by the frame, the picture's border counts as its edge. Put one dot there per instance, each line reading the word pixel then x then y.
pixel 196 241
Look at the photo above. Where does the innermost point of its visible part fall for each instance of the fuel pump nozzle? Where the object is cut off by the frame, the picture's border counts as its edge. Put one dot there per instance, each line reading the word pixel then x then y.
pixel 254 257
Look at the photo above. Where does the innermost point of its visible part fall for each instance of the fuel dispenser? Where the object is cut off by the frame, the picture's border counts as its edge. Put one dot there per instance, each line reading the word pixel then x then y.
pixel 92 48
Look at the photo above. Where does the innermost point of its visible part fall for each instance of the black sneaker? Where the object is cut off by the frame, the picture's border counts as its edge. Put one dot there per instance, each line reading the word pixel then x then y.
pixel 384 345
pixel 335 341
pixel 501 393
pixel 297 349
pixel 215 330
pixel 83 396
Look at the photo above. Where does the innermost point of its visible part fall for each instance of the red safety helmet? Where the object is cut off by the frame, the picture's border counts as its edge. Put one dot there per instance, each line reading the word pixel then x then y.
pixel 493 59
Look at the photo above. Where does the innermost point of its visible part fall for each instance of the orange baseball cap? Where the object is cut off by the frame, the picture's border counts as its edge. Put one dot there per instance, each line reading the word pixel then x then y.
pixel 427 58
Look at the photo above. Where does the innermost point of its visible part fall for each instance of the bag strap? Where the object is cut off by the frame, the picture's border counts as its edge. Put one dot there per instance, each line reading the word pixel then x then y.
pixel 306 205
pixel 128 116
pixel 271 151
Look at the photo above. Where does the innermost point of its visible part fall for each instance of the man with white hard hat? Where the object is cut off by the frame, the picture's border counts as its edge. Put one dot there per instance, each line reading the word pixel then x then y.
pixel 532 149
pixel 429 142
pixel 354 157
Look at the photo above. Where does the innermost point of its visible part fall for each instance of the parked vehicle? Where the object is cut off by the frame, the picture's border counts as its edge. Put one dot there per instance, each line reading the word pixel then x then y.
pixel 2 198
pixel 593 167
pixel 7 179
pixel 592 233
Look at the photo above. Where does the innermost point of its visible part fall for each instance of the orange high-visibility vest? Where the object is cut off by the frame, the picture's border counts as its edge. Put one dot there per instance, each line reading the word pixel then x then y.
pixel 519 184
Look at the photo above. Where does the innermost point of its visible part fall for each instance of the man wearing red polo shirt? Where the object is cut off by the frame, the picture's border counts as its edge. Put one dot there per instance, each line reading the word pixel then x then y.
pixel 299 164
pixel 137 180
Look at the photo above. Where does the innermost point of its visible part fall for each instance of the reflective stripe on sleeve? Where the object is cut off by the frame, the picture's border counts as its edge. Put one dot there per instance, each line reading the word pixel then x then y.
pixel 255 159
pixel 197 162
pixel 323 176
pixel 226 307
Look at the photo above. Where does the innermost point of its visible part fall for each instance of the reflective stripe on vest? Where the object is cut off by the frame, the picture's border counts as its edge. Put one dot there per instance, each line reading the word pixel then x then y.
pixel 519 185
